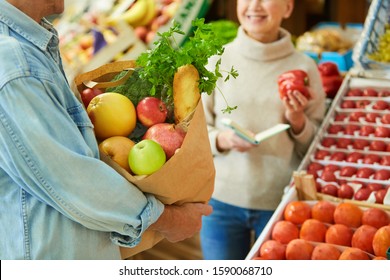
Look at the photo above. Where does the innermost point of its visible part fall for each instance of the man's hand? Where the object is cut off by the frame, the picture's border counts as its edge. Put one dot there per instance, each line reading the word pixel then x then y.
pixel 177 223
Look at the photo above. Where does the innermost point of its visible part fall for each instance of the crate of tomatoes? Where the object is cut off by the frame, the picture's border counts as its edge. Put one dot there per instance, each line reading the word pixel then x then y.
pixel 149 121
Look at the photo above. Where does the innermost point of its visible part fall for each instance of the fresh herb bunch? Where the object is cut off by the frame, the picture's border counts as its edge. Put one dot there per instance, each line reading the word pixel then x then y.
pixel 159 65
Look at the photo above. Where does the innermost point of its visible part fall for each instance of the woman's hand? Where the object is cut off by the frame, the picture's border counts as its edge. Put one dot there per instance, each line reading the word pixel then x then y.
pixel 228 140
pixel 295 104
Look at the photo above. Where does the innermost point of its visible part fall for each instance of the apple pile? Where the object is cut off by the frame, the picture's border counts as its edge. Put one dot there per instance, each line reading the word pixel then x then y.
pixel 115 118
pixel 323 230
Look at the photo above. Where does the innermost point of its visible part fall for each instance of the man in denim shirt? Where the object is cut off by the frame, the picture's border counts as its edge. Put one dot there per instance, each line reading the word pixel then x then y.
pixel 57 199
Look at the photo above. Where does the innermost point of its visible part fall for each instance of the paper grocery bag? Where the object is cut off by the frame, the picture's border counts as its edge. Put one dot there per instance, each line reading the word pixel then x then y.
pixel 188 176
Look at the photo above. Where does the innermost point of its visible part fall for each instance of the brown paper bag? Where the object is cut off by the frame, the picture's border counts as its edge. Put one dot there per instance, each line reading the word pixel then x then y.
pixel 186 177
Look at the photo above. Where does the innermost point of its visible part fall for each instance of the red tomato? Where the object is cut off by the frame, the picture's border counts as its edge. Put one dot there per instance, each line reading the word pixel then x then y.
pixel 340 117
pixel 328 176
pixel 364 172
pixel 315 166
pixel 351 128
pixel 330 189
pixel 362 103
pixel 380 105
pixel 371 117
pixel 382 132
pixel 321 154
pixel 360 144
pixel 384 93
pixel 380 195
pixel 366 130
pixel 331 167
pixel 343 143
pixel 370 92
pixel 371 159
pixel 374 186
pixel 348 171
pixel 348 104
pixel 382 174
pixel 354 157
pixel 290 86
pixel 296 75
pixel 385 119
pixel 385 161
pixel 335 129
pixel 354 116
pixel 388 148
pixel 362 194
pixel 331 85
pixel 378 145
pixel 355 92
pixel 337 156
pixel 328 142
pixel 345 191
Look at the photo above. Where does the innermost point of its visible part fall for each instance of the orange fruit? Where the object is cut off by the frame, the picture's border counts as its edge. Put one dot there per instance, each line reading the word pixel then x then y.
pixel 313 230
pixel 375 217
pixel 323 211
pixel 299 249
pixel 381 241
pixel 325 251
pixel 362 238
pixel 353 254
pixel 348 214
pixel 297 212
pixel 284 231
pixel 272 250
pixel 339 234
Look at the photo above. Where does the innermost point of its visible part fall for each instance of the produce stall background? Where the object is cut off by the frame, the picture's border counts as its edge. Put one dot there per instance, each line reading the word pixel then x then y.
pixel 92 35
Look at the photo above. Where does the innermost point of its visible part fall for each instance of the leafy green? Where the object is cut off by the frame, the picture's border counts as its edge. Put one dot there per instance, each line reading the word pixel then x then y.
pixel 159 65
pixel 134 88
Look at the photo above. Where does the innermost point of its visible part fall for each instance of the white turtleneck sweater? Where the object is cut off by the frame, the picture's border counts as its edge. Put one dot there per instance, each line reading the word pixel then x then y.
pixel 256 179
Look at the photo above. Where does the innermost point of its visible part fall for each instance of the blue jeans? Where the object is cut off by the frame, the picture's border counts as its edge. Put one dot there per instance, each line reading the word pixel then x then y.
pixel 226 233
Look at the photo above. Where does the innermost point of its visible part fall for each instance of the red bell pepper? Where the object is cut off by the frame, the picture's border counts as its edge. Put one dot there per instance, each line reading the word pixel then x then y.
pixel 331 85
pixel 328 69
pixel 294 75
pixel 293 85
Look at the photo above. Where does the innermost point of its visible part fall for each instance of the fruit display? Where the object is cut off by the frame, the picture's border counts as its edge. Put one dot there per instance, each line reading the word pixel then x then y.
pixel 324 230
pixel 350 158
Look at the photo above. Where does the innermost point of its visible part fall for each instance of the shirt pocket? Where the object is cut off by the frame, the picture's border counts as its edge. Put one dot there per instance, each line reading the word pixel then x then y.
pixel 84 124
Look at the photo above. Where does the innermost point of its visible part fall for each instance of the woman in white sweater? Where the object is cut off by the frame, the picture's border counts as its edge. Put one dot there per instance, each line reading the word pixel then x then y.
pixel 250 178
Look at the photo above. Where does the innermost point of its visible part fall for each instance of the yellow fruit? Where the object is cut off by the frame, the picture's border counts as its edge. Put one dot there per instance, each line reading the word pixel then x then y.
pixel 112 114
pixel 118 149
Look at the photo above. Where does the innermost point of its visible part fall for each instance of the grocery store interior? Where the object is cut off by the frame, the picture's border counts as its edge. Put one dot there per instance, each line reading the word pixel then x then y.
pixel 346 33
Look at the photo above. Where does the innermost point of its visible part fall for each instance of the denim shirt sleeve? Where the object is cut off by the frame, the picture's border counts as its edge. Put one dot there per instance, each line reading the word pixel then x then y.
pixel 46 147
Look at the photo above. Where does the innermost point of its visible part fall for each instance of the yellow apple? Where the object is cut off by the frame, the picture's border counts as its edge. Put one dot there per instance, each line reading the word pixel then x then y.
pixel 118 149
pixel 112 114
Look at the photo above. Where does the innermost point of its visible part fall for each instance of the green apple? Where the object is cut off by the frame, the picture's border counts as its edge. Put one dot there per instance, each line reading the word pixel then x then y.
pixel 146 157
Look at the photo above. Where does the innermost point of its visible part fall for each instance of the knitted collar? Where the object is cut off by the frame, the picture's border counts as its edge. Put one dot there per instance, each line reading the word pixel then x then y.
pixel 250 48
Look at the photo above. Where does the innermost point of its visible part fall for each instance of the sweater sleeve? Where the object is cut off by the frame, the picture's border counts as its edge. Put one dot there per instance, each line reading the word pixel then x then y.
pixel 314 112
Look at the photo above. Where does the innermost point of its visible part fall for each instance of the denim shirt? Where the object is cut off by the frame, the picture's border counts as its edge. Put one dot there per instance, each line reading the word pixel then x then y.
pixel 57 199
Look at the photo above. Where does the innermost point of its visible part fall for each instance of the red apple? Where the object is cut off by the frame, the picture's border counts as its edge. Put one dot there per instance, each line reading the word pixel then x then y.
pixel 345 191
pixel 169 136
pixel 88 94
pixel 151 111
